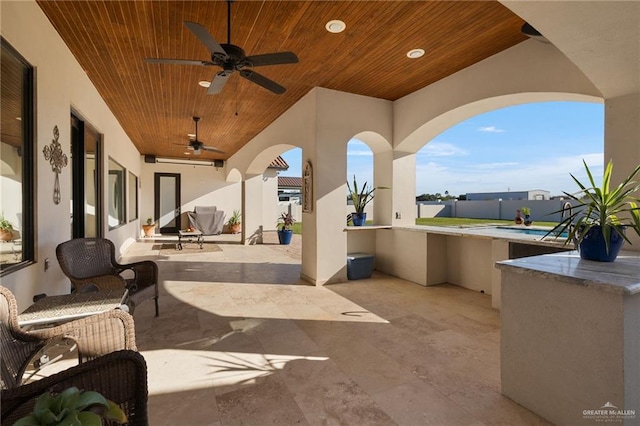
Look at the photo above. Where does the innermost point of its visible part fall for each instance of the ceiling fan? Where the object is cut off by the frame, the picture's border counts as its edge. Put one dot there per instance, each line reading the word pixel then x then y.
pixel 231 58
pixel 197 146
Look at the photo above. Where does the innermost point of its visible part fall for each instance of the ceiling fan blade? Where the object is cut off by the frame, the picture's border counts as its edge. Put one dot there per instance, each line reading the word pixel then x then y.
pixel 217 83
pixel 273 59
pixel 206 38
pixel 263 81
pixel 179 61
pixel 212 149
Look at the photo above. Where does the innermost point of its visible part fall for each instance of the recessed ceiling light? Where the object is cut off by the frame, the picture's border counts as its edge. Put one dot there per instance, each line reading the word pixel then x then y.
pixel 19 118
pixel 204 83
pixel 187 153
pixel 415 53
pixel 191 135
pixel 335 26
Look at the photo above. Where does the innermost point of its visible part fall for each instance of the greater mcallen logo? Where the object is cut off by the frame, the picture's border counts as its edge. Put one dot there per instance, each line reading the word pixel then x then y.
pixel 609 412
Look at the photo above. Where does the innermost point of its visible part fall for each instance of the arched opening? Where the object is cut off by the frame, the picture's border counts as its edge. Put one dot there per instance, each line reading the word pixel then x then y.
pixel 510 153
pixel 360 177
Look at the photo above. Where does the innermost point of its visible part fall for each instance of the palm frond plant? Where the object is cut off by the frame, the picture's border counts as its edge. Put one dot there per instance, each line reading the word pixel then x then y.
pixel 605 210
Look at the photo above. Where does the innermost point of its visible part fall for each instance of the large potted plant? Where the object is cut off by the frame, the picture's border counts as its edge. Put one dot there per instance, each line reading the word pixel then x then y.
pixel 235 226
pixel 285 232
pixel 360 199
pixel 598 228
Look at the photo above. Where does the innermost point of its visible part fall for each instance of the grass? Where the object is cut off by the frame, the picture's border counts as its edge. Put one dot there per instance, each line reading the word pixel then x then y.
pixel 461 221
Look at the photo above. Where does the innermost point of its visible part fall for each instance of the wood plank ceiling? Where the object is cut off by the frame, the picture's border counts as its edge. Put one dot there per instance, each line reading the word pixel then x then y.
pixel 155 103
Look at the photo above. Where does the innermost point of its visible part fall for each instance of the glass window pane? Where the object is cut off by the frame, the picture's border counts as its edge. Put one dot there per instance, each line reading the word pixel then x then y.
pixel 133 197
pixel 116 193
pixel 16 159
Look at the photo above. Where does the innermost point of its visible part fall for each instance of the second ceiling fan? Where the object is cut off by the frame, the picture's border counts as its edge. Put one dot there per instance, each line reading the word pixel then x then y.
pixel 231 58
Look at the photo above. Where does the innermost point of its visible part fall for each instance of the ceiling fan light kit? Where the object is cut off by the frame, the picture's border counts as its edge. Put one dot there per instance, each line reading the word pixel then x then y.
pixel 231 59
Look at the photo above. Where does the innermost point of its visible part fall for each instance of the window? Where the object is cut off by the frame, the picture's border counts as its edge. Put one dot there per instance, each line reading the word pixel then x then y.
pixel 133 197
pixel 116 194
pixel 16 161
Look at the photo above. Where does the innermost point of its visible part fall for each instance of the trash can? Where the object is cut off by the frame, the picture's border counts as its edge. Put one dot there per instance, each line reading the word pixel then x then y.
pixel 359 265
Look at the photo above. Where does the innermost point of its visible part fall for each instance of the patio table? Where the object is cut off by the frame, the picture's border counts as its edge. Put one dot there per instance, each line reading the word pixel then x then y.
pixel 189 235
pixel 67 307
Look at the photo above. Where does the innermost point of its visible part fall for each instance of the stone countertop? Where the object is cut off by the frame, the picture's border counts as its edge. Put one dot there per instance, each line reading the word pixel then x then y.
pixel 489 232
pixel 620 277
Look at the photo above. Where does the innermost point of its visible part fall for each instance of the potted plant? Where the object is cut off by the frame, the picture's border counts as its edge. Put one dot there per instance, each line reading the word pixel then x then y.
pixel 285 232
pixel 150 228
pixel 526 211
pixel 360 199
pixel 6 229
pixel 73 407
pixel 599 230
pixel 235 226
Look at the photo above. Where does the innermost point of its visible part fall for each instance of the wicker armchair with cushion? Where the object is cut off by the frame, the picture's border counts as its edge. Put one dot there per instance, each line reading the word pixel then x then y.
pixel 119 376
pixel 92 261
pixel 95 336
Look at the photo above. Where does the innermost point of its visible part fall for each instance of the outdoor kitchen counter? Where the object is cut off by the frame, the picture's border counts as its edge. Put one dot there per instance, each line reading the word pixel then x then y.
pixel 621 276
pixel 570 337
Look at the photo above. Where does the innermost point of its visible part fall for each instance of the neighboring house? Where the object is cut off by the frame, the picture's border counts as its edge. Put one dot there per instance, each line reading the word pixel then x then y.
pixel 289 189
pixel 535 194
pixel 270 211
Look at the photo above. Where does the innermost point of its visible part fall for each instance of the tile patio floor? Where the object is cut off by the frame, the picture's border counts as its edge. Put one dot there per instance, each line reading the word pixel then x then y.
pixel 240 340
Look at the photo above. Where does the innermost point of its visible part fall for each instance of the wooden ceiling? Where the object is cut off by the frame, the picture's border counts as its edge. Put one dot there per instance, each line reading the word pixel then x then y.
pixel 155 103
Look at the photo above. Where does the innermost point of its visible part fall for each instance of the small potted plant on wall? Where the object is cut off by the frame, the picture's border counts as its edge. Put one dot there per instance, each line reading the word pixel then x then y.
pixel 235 226
pixel 150 228
pixel 285 232
pixel 6 229
pixel 360 199
pixel 598 229
pixel 526 211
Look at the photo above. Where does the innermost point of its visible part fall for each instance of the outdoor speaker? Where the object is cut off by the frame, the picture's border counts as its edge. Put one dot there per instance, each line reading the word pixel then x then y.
pixel 218 163
pixel 149 158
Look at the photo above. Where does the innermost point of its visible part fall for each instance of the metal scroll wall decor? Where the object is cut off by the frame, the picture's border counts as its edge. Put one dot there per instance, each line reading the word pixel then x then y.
pixel 307 188
pixel 53 153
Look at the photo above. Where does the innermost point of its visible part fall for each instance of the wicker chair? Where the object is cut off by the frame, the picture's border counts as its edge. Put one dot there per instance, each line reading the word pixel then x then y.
pixel 95 336
pixel 87 261
pixel 119 376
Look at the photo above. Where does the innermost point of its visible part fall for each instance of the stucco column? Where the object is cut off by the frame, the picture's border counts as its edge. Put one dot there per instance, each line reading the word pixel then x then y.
pixel 383 177
pixel 622 141
pixel 324 241
pixel 252 226
pixel 403 188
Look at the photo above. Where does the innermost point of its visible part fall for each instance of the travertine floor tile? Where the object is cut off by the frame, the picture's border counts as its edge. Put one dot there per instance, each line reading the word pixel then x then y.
pixel 241 340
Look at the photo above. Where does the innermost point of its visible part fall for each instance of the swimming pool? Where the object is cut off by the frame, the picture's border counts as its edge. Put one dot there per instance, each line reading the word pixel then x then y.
pixel 529 231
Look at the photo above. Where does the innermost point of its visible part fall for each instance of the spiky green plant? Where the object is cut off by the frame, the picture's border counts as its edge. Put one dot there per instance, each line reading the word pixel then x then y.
pixel 613 209
pixel 361 198
pixel 72 407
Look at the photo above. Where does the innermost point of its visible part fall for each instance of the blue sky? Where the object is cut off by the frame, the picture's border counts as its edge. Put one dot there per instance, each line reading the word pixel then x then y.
pixel 523 147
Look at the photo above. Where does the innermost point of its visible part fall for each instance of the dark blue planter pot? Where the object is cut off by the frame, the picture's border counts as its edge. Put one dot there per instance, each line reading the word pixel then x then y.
pixel 285 236
pixel 359 218
pixel 593 247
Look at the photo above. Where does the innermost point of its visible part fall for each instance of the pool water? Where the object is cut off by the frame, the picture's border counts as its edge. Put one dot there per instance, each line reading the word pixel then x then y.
pixel 529 231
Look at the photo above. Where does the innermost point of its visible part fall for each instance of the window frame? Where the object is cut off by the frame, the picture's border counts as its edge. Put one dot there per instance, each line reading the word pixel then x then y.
pixel 28 231
pixel 132 204
pixel 122 173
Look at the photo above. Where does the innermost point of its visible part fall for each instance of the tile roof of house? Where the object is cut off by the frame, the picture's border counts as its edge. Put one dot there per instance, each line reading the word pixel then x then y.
pixel 279 163
pixel 289 181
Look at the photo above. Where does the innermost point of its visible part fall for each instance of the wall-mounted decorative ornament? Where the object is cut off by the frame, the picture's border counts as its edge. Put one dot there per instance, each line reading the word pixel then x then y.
pixel 307 188
pixel 53 153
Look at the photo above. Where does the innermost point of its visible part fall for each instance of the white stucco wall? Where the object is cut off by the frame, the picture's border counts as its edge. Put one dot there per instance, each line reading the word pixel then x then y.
pixel 61 85
pixel 199 186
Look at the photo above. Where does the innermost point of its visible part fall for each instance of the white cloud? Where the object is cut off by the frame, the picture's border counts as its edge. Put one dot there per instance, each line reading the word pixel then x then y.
pixel 551 174
pixel 491 129
pixel 360 153
pixel 441 149
pixel 492 166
